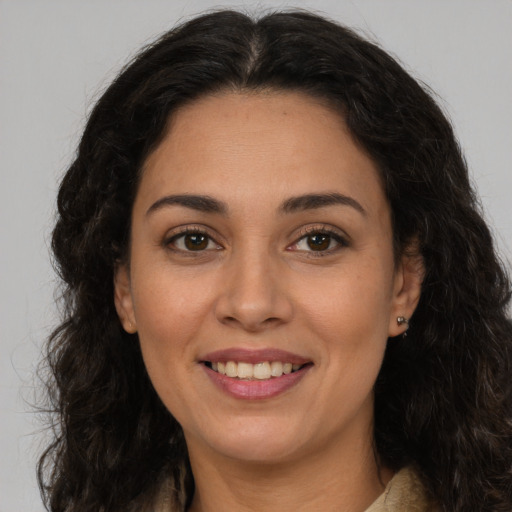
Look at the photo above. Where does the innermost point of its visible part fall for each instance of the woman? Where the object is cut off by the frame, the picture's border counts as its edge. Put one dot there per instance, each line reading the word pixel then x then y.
pixel 280 291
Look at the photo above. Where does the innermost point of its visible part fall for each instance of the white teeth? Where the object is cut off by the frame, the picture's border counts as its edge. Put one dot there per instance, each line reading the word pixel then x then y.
pixel 246 371
pixel 231 369
pixel 260 371
pixel 276 368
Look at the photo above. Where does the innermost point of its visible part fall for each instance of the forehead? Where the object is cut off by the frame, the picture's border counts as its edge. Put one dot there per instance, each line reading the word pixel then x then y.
pixel 259 145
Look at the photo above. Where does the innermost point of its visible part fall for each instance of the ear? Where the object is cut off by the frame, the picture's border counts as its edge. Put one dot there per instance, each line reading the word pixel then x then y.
pixel 123 298
pixel 406 295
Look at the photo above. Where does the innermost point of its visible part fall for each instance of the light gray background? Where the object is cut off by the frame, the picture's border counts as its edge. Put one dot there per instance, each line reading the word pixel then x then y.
pixel 57 56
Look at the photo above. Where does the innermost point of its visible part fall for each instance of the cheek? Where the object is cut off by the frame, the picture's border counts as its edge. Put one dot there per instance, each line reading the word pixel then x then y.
pixel 355 301
pixel 346 319
pixel 169 312
pixel 349 316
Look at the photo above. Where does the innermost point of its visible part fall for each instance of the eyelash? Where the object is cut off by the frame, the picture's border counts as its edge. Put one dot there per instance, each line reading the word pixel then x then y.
pixel 183 232
pixel 322 230
pixel 307 232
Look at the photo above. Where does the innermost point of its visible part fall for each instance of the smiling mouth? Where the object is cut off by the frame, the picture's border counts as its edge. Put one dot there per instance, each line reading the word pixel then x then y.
pixel 264 370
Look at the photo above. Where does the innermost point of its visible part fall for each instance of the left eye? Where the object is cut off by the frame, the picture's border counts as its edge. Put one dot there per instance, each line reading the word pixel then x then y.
pixel 193 242
pixel 318 242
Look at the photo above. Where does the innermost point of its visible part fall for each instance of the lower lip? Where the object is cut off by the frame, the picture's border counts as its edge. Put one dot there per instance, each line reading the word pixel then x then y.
pixel 256 389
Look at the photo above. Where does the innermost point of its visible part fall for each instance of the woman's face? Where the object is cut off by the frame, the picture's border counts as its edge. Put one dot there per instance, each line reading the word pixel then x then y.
pixel 261 239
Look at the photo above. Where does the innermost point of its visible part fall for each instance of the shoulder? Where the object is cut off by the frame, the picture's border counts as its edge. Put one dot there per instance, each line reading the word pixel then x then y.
pixel 404 493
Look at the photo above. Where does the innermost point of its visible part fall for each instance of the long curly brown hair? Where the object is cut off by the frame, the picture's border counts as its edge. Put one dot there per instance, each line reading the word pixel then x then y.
pixel 443 399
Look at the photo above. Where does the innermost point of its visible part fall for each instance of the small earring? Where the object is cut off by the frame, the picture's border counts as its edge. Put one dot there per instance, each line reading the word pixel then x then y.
pixel 400 320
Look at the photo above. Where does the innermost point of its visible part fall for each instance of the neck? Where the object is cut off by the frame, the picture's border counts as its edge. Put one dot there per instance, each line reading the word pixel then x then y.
pixel 323 480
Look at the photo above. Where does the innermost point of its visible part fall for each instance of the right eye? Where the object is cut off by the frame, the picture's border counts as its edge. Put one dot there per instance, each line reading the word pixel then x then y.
pixel 192 241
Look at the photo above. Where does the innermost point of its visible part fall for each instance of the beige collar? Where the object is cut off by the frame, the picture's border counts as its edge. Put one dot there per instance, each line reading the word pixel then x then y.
pixel 404 493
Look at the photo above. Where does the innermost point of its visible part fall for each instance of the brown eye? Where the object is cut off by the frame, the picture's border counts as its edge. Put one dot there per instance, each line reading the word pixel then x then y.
pixel 192 242
pixel 319 241
pixel 195 241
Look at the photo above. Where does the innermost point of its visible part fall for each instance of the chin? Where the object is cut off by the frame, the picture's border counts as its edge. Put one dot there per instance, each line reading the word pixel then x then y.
pixel 255 441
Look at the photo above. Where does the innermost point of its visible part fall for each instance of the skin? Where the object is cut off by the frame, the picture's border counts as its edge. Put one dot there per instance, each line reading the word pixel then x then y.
pixel 258 284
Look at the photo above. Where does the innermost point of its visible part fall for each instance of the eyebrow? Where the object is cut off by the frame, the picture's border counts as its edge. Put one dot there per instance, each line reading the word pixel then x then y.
pixel 208 204
pixel 314 201
pixel 199 203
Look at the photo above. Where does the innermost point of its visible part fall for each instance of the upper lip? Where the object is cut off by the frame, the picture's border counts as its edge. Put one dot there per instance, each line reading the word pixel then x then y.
pixel 253 356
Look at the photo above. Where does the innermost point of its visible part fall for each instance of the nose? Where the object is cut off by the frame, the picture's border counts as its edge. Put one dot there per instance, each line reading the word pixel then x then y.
pixel 253 295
